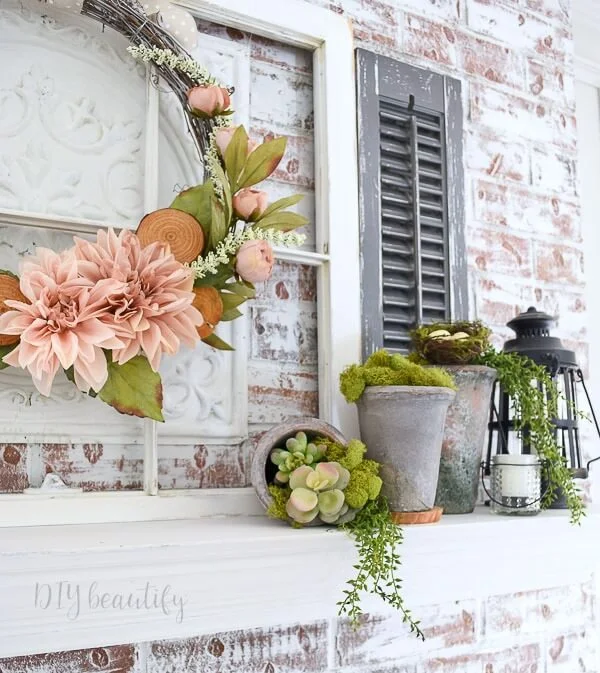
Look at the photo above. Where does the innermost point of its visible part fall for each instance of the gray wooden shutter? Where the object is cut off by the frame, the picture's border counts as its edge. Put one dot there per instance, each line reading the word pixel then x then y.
pixel 412 248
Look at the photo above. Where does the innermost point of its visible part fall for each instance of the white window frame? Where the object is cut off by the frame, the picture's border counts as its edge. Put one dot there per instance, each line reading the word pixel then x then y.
pixel 336 259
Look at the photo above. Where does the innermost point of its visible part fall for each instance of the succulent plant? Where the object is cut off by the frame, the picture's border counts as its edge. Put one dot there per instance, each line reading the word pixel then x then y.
pixel 298 452
pixel 319 492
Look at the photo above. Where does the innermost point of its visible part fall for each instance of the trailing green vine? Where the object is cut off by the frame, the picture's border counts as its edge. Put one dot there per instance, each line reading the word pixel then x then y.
pixel 376 538
pixel 534 407
pixel 533 394
pixel 347 490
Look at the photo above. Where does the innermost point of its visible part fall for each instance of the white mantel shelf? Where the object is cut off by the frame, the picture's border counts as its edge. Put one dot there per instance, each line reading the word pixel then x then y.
pixel 240 572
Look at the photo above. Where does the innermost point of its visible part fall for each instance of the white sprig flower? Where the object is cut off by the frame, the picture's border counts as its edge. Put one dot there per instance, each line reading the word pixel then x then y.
pixel 183 64
pixel 229 246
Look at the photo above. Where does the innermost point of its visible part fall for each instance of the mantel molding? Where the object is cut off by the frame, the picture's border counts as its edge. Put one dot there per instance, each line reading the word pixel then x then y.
pixel 231 573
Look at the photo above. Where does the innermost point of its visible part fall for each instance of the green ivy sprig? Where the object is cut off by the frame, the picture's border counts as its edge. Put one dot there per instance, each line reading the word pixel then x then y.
pixel 376 539
pixel 534 407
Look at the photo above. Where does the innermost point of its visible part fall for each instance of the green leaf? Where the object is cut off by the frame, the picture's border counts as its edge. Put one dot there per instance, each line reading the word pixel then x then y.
pixel 218 225
pixel 218 279
pixel 134 389
pixel 232 314
pixel 286 202
pixel 197 201
pixel 241 289
pixel 222 178
pixel 5 350
pixel 262 162
pixel 236 155
pixel 231 300
pixel 282 221
pixel 214 341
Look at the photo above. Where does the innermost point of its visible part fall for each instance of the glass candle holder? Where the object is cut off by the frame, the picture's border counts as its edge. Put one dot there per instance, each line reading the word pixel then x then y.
pixel 516 484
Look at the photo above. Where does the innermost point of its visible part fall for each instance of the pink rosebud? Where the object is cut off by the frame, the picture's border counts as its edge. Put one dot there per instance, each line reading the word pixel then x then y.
pixel 210 100
pixel 250 204
pixel 223 137
pixel 255 261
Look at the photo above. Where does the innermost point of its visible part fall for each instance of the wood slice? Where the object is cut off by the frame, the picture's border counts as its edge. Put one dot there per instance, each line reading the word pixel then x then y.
pixel 9 289
pixel 428 516
pixel 208 301
pixel 180 230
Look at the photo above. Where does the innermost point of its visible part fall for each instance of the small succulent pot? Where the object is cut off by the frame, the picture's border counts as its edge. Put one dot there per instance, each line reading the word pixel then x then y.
pixel 403 427
pixel 464 436
pixel 263 470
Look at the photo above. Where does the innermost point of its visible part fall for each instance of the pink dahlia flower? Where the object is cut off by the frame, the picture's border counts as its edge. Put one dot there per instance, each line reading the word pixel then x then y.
pixel 152 310
pixel 62 326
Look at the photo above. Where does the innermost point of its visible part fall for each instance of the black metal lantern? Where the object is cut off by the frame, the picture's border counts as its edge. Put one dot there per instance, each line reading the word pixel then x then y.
pixel 533 339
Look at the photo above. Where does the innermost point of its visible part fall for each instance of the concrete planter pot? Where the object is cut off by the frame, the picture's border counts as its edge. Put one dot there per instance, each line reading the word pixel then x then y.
pixel 464 437
pixel 262 471
pixel 403 428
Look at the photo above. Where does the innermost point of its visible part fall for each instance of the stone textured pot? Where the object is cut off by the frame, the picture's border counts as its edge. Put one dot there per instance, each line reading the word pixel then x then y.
pixel 464 437
pixel 263 471
pixel 403 427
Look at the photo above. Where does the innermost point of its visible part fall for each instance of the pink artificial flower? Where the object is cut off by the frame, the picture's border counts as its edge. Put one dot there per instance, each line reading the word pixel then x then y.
pixel 223 137
pixel 62 326
pixel 152 311
pixel 250 204
pixel 255 261
pixel 210 100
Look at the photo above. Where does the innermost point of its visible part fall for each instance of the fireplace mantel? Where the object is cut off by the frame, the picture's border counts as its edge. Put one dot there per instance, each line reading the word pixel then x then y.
pixel 237 572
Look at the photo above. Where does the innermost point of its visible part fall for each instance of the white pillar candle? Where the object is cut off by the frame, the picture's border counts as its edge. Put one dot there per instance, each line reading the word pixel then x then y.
pixel 518 474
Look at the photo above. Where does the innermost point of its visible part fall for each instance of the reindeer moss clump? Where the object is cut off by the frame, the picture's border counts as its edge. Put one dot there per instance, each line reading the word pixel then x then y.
pixel 349 456
pixel 280 495
pixel 383 369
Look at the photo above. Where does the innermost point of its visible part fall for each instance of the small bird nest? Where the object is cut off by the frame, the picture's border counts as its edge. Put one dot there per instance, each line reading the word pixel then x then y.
pixel 457 343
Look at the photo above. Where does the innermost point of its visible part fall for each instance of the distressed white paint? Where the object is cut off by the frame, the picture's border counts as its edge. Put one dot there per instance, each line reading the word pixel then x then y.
pixel 336 253
pixel 100 141
pixel 207 563
pixel 330 38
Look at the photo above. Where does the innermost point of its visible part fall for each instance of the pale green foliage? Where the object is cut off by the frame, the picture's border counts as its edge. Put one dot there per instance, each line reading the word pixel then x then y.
pixel 298 451
pixel 319 492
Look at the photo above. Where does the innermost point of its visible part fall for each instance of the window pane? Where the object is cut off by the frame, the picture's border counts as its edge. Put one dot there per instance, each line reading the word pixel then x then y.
pixel 282 381
pixel 282 320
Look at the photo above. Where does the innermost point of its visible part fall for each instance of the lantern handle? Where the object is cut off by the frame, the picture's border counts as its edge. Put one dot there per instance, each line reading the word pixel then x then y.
pixel 502 504
pixel 589 401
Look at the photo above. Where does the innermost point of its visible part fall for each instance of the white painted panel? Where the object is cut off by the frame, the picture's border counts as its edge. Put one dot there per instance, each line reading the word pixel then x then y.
pixel 71 118
pixel 75 100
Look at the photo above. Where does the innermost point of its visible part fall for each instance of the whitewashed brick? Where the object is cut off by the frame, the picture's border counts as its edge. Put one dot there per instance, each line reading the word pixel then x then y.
pixel 280 100
pixel 520 29
pixel 556 171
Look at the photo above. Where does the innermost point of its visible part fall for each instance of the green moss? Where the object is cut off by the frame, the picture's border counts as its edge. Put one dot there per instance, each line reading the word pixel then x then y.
pixel 362 487
pixel 352 383
pixel 350 456
pixel 383 369
pixel 380 358
pixel 280 497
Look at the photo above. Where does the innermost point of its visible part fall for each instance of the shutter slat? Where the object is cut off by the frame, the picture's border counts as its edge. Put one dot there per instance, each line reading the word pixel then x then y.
pixel 413 227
